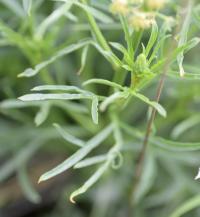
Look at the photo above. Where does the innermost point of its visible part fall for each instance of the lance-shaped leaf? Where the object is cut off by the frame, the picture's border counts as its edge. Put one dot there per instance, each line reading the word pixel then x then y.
pixel 94 110
pixel 111 99
pixel 42 114
pixel 155 105
pixel 91 161
pixel 66 88
pixel 91 181
pixel 185 125
pixel 94 12
pixel 79 155
pixel 103 81
pixel 53 96
pixel 69 49
pixel 68 137
pixel 152 40
pixel 187 206
pixel 83 59
pixel 173 145
pixel 30 193
pixel 53 17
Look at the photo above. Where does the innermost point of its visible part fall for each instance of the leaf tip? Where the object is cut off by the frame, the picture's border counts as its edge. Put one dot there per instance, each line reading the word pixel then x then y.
pixel 40 180
pixel 182 72
pixel 72 199
pixel 198 175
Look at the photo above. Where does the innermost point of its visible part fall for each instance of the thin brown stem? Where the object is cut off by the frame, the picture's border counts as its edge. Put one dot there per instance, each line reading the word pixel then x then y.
pixel 141 157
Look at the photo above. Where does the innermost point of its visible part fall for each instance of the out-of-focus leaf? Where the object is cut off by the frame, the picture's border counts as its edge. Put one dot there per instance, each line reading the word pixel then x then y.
pixel 183 38
pixel 94 12
pixel 42 114
pixel 152 40
pixel 187 206
pixel 52 18
pixel 27 4
pixel 147 178
pixel 185 125
pixel 30 193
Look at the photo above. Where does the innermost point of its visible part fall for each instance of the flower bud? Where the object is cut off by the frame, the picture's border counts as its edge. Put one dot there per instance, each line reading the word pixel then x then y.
pixel 155 4
pixel 141 20
pixel 119 7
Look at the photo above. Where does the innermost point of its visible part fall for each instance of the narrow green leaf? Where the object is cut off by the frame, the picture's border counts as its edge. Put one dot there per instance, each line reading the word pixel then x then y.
pixel 185 125
pixel 175 146
pixel 53 96
pixel 183 38
pixel 59 88
pixel 91 181
pixel 128 36
pixel 42 114
pixel 95 13
pixel 69 49
pixel 19 159
pixel 91 161
pixel 147 178
pixel 187 206
pixel 79 155
pixel 14 6
pixel 152 40
pixel 187 76
pixel 157 47
pixel 155 105
pixel 71 17
pixel 83 59
pixel 94 110
pixel 68 137
pixel 111 99
pixel 198 175
pixel 13 103
pixel 103 81
pixel 27 4
pixel 109 55
pixel 123 50
pixel 52 18
pixel 30 193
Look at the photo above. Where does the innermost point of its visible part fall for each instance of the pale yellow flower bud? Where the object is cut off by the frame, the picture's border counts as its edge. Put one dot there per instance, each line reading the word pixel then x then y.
pixel 141 20
pixel 155 4
pixel 119 7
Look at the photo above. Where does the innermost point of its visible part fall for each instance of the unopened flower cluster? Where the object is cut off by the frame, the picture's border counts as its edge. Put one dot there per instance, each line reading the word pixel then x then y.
pixel 140 13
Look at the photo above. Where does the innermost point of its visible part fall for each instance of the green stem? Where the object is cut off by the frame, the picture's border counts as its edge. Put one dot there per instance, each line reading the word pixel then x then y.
pixel 96 31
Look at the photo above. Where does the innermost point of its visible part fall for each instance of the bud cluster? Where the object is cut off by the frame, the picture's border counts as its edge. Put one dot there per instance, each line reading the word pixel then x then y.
pixel 140 13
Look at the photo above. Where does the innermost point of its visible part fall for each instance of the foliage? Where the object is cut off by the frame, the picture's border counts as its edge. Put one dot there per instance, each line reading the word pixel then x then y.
pixel 94 74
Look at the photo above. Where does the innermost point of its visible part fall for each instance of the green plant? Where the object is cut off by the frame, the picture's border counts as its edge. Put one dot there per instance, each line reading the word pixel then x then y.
pixel 146 58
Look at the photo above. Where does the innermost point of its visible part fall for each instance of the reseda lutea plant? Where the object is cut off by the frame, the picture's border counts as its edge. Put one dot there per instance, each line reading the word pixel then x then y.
pixel 150 50
pixel 144 66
